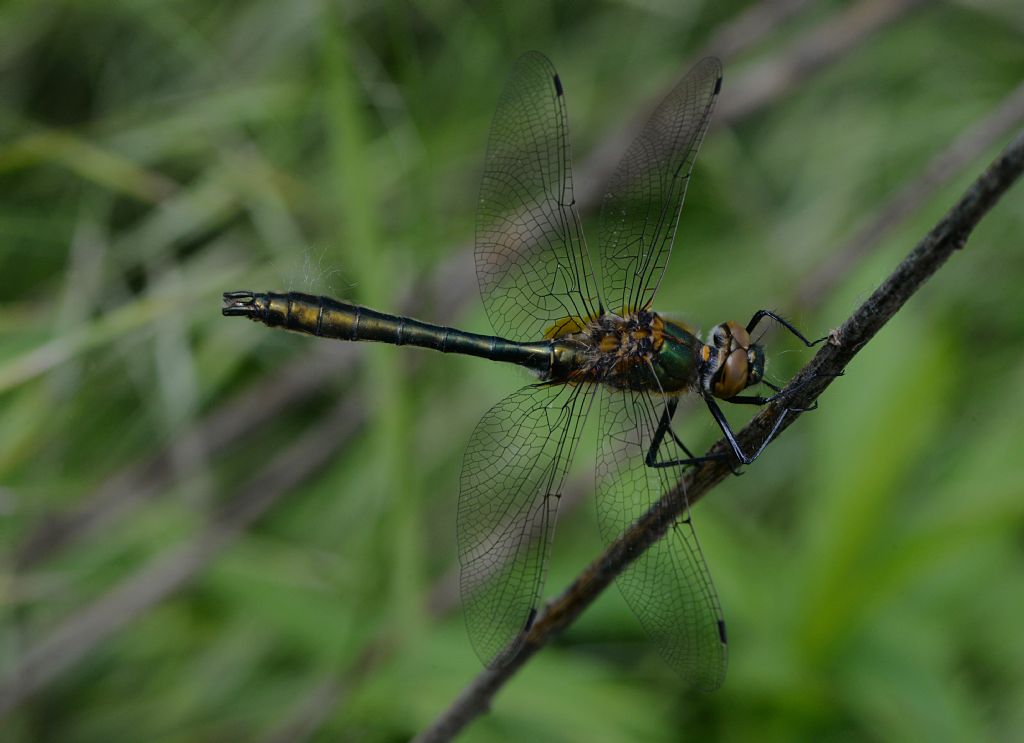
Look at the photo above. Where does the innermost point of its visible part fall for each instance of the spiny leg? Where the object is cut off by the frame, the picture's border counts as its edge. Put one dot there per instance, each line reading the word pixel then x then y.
pixel 730 437
pixel 779 394
pixel 760 400
pixel 761 314
pixel 723 424
pixel 665 428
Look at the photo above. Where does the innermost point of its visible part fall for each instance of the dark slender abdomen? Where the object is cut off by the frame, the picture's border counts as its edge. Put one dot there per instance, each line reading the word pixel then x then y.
pixel 329 318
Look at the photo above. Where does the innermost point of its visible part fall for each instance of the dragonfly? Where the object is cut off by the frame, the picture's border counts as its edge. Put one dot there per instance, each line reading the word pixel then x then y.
pixel 592 339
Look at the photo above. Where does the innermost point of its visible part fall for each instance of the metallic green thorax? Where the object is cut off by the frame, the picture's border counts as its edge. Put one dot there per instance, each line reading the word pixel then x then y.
pixel 638 350
pixel 677 363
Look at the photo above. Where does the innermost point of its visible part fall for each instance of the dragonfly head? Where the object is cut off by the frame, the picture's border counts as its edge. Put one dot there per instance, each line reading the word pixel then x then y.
pixel 733 362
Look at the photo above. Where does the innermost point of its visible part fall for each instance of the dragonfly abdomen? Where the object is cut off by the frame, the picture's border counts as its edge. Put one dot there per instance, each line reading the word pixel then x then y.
pixel 329 318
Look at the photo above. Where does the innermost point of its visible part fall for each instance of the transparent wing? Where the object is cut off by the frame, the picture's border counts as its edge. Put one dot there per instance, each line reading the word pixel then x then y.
pixel 644 196
pixel 668 587
pixel 512 476
pixel 531 258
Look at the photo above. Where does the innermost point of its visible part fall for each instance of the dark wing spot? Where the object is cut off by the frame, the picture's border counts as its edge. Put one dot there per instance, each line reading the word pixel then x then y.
pixel 533 611
pixel 721 632
pixel 558 85
pixel 718 85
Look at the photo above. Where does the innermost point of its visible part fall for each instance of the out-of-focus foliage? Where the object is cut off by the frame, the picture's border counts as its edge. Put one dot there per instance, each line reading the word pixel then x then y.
pixel 153 155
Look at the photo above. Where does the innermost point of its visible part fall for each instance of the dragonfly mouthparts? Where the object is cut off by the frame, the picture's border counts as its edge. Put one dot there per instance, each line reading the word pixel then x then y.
pixel 239 304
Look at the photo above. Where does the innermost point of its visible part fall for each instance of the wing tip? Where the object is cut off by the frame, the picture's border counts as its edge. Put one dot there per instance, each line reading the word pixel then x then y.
pixel 710 66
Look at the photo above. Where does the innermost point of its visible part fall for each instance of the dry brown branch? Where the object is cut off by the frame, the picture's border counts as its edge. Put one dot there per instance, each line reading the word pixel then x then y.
pixel 948 236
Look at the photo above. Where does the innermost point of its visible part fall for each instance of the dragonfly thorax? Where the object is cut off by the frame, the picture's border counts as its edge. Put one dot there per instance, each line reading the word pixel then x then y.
pixel 637 350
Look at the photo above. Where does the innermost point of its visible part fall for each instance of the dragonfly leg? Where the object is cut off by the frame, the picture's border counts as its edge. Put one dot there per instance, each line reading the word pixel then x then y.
pixel 665 428
pixel 760 400
pixel 730 437
pixel 761 314
pixel 779 394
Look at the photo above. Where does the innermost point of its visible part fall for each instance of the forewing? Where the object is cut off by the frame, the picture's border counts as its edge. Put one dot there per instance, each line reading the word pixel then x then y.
pixel 512 476
pixel 531 258
pixel 668 587
pixel 644 196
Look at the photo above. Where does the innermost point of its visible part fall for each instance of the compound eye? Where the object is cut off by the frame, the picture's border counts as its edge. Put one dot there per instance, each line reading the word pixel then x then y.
pixel 720 335
pixel 733 378
pixel 739 334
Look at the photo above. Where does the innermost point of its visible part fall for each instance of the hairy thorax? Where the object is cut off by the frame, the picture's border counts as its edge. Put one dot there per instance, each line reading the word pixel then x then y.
pixel 639 350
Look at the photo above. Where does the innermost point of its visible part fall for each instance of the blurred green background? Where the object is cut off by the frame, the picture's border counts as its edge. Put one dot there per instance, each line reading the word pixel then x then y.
pixel 214 531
